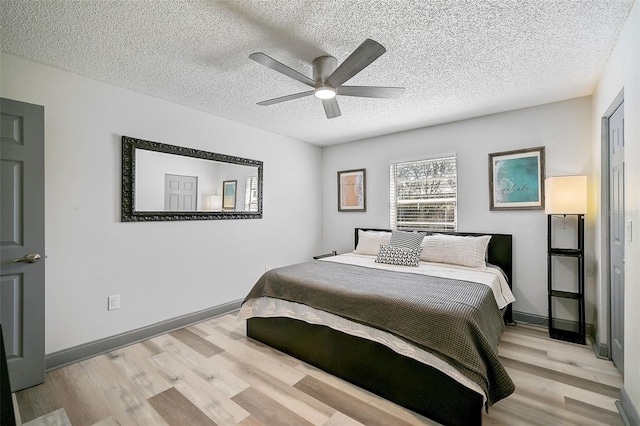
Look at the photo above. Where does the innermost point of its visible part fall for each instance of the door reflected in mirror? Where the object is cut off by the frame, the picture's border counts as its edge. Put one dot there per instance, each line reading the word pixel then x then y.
pixel 168 182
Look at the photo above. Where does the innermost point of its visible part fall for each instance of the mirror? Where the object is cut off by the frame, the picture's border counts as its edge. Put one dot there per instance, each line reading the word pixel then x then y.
pixel 168 182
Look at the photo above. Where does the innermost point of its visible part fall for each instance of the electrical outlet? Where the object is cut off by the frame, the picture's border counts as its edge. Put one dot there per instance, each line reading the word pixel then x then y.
pixel 113 302
pixel 629 230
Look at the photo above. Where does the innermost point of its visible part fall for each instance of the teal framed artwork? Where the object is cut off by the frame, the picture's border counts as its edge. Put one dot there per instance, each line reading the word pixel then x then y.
pixel 516 179
pixel 229 194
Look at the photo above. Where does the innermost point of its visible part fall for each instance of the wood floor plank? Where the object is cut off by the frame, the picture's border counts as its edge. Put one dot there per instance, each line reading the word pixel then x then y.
pixel 345 403
pixel 150 347
pixel 541 359
pixel 37 401
pixel 177 410
pixel 561 410
pixel 251 421
pixel 240 336
pixel 57 417
pixel 605 416
pixel 586 362
pixel 580 356
pixel 231 322
pixel 530 330
pixel 250 384
pixel 79 394
pixel 109 421
pixel 263 357
pixel 517 410
pixel 558 376
pixel 207 397
pixel 542 388
pixel 195 342
pixel 133 364
pixel 126 404
pixel 267 410
pixel 209 372
pixel 522 334
pixel 366 396
pixel 311 409
pixel 339 419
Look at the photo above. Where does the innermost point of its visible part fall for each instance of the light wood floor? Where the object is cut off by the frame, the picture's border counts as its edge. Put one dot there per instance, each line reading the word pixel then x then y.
pixel 211 373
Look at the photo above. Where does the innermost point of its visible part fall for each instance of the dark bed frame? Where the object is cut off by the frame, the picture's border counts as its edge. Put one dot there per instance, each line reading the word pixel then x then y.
pixel 378 369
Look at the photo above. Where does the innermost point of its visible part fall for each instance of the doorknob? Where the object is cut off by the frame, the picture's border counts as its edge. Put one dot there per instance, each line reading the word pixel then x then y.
pixel 30 258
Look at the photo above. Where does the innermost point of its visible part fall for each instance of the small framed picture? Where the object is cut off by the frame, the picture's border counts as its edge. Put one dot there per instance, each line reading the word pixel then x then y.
pixel 352 191
pixel 516 179
pixel 229 194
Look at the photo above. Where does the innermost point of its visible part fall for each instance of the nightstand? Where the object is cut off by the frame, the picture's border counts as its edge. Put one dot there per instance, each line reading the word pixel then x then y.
pixel 556 331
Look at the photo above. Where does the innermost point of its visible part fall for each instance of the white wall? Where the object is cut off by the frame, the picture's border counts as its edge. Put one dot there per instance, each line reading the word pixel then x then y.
pixel 240 175
pixel 151 168
pixel 622 72
pixel 564 128
pixel 165 269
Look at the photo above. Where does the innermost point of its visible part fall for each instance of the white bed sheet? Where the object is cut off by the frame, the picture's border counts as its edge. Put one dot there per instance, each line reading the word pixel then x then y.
pixel 493 277
pixel 267 307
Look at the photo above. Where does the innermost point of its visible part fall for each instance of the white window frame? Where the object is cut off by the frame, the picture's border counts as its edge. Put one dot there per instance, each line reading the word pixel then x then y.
pixel 448 199
pixel 251 194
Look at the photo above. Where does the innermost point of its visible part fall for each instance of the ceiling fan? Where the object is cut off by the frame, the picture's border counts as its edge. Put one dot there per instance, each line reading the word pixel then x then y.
pixel 328 77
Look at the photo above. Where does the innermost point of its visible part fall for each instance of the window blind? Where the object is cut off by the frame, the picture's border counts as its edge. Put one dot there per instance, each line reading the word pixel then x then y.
pixel 251 194
pixel 423 194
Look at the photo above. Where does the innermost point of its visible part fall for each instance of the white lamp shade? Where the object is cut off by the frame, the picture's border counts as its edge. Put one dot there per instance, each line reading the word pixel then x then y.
pixel 565 195
pixel 215 202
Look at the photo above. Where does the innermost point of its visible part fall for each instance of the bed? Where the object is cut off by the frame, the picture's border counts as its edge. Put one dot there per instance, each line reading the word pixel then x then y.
pixel 404 353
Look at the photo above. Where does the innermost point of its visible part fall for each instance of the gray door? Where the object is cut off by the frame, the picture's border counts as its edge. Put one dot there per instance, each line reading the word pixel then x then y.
pixel 22 241
pixel 617 234
pixel 180 193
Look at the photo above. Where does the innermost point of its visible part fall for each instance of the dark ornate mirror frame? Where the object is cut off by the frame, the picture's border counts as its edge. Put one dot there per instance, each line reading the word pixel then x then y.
pixel 129 213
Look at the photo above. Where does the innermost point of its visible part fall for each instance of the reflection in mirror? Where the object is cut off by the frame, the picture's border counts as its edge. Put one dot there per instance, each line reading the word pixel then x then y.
pixel 168 182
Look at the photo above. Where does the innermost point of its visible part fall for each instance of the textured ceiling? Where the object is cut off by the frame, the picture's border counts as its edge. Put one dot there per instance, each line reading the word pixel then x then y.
pixel 457 58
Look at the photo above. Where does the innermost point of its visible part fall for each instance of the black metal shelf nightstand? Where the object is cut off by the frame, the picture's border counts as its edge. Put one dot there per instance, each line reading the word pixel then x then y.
pixel 578 333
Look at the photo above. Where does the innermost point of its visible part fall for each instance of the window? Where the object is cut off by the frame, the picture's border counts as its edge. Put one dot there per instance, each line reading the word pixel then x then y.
pixel 251 194
pixel 423 194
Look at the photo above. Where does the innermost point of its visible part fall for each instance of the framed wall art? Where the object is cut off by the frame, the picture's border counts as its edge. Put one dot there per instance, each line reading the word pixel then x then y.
pixel 229 194
pixel 516 179
pixel 352 191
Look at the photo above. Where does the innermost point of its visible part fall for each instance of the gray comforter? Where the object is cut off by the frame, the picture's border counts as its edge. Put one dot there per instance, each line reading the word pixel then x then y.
pixel 457 321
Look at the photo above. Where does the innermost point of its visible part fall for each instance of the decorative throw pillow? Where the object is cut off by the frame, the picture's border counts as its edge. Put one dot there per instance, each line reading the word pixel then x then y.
pixel 456 250
pixel 369 242
pixel 406 239
pixel 393 255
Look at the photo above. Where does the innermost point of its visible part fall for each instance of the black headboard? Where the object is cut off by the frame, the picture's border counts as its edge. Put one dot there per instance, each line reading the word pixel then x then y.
pixel 499 252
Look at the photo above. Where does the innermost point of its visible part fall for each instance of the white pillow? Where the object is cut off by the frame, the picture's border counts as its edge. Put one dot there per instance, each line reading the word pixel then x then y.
pixel 369 242
pixel 456 250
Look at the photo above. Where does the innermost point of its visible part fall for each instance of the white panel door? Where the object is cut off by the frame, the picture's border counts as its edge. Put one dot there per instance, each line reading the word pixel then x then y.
pixel 617 234
pixel 180 193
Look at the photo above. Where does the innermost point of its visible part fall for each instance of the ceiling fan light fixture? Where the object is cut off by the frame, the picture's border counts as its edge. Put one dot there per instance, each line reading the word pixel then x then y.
pixel 328 77
pixel 325 92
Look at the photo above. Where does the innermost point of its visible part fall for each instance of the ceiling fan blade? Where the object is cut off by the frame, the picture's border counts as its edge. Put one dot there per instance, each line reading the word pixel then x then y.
pixel 269 62
pixel 331 108
pixel 371 91
pixel 364 55
pixel 286 98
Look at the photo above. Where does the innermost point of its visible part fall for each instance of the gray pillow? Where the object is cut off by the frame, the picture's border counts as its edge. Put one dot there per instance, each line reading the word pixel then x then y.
pixel 411 240
pixel 392 255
